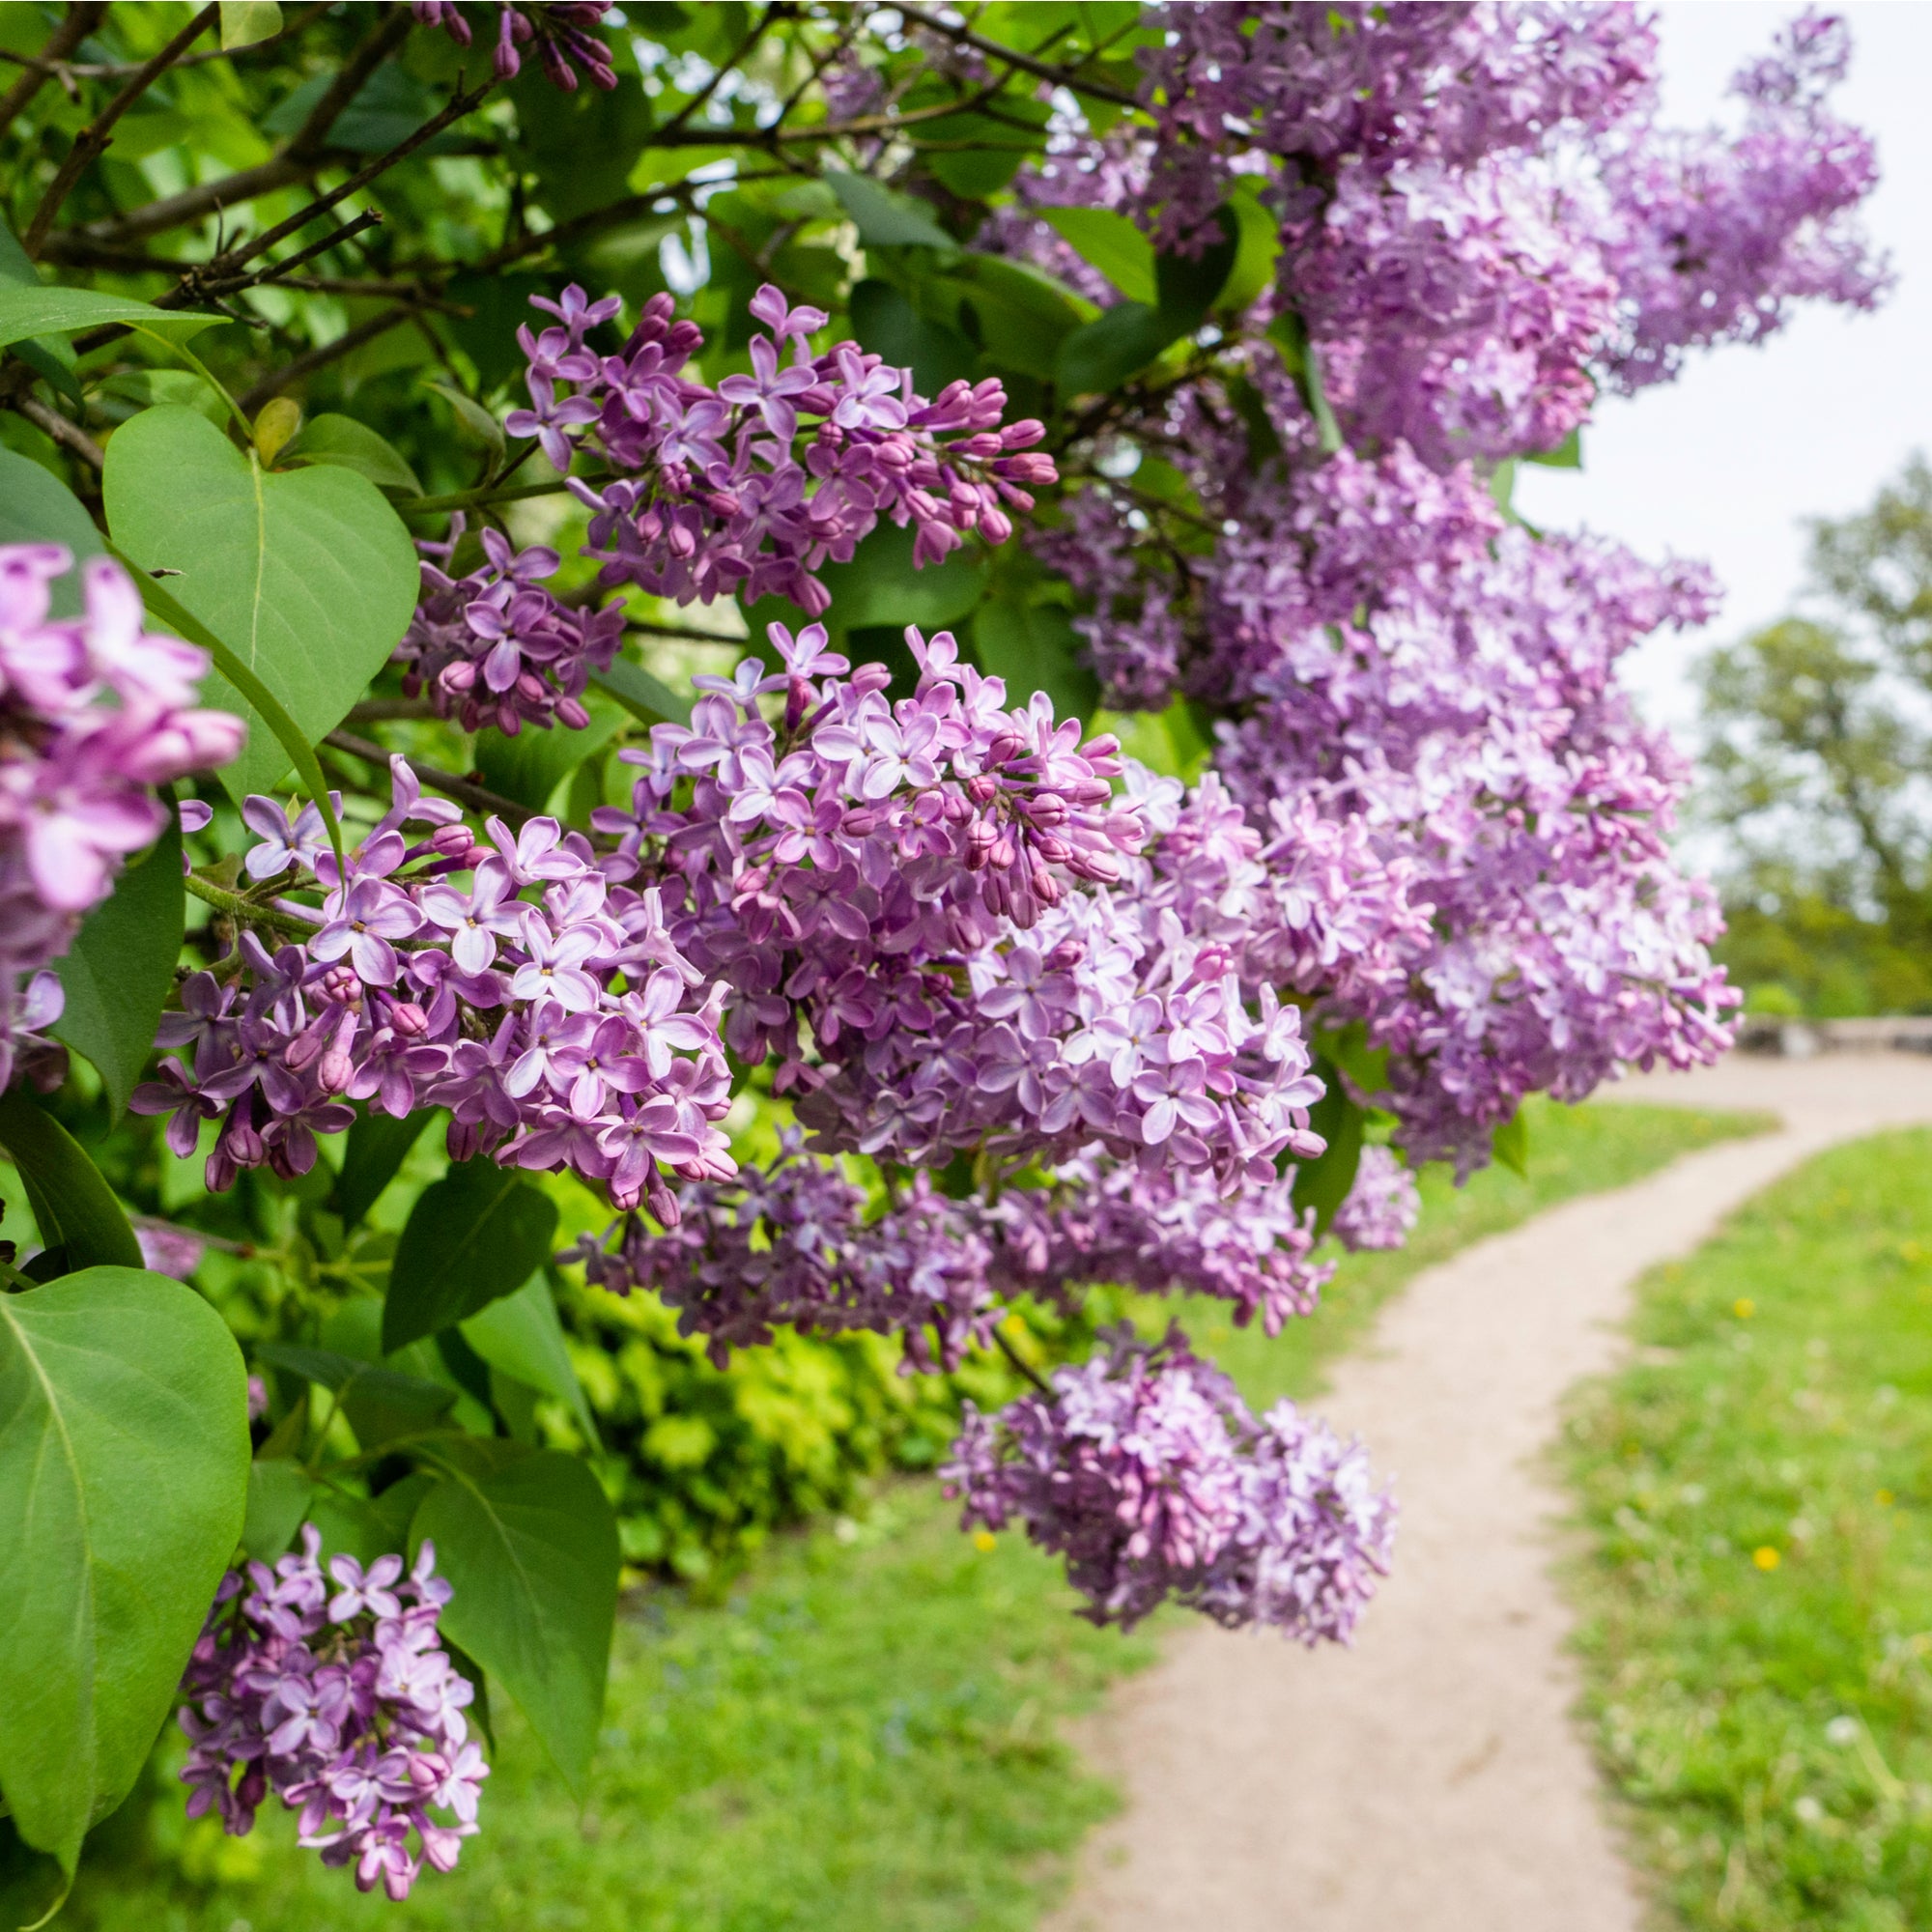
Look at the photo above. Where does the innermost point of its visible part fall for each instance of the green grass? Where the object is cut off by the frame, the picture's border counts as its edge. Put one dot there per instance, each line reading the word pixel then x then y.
pixel 1758 1595
pixel 866 1737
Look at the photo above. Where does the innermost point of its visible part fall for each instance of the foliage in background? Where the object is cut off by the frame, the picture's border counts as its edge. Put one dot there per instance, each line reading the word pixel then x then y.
pixel 1758 1488
pixel 1819 762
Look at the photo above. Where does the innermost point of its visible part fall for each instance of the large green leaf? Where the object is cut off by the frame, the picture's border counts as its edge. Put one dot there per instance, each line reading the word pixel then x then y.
pixel 51 311
pixel 1109 242
pixel 529 1549
pixel 885 322
pixel 382 1405
pixel 116 972
pixel 37 507
pixel 279 1493
pixel 353 445
pixel 1098 357
pixel 647 699
pixel 521 1336
pixel 307 575
pixel 884 217
pixel 79 1219
pixel 124 1476
pixel 881 584
pixel 479 1234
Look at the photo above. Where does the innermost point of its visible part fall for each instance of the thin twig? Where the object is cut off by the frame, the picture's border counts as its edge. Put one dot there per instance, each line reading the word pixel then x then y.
pixel 1006 1350
pixel 464 792
pixel 68 435
pixel 311 138
pixel 461 105
pixel 52 67
pixel 1061 77
pixel 92 141
pixel 80 22
pixel 675 125
pixel 379 710
pixel 198 282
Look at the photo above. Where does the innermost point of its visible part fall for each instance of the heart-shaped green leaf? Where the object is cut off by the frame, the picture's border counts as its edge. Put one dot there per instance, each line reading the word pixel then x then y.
pixel 307 576
pixel 80 1221
pixel 124 1475
pixel 528 1546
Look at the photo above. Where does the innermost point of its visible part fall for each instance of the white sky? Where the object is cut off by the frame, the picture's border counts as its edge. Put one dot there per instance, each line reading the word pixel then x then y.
pixel 1723 462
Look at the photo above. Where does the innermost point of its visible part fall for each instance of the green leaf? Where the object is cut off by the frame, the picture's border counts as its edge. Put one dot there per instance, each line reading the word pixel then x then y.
pixel 353 445
pixel 1000 147
pixel 884 217
pixel 37 507
pixel 307 576
pixel 279 1493
pixel 1324 1184
pixel 377 1147
pixel 479 1234
pixel 390 106
pixel 382 1405
pixel 885 322
pixel 54 360
pixel 1111 242
pixel 117 974
pixel 1097 359
pixel 366 1528
pixel 78 1217
pixel 1348 1048
pixel 529 1549
pixel 1018 315
pixel 1567 455
pixel 647 699
pixel 243 22
pixel 881 586
pixel 1190 285
pixel 473 420
pixel 1258 249
pixel 54 311
pixel 533 764
pixel 1510 1144
pixel 1035 648
pixel 124 1475
pixel 521 1336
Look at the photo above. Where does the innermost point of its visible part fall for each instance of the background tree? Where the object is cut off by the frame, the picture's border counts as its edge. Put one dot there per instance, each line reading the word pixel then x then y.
pixel 1820 760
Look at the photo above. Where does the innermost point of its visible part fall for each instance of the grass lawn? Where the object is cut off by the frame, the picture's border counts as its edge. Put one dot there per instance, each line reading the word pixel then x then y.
pixel 1758 1595
pixel 866 1737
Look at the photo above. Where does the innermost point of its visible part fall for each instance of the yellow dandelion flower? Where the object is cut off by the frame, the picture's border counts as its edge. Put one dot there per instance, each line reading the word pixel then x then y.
pixel 1884 1498
pixel 983 1540
pixel 1765 1557
pixel 1744 1308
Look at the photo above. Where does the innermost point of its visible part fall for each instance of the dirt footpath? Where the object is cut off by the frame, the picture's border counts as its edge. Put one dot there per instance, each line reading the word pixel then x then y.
pixel 1432 1778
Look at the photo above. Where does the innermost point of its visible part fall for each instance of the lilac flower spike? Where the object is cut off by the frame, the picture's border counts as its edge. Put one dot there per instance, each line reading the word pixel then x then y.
pixel 343 1704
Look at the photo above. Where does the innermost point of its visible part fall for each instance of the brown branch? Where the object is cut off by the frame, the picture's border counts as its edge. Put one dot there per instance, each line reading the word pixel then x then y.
pixel 311 138
pixel 199 281
pixel 68 435
pixel 464 791
pixel 1061 77
pixel 80 22
pixel 379 710
pixel 310 361
pixel 92 141
pixel 778 11
pixel 461 105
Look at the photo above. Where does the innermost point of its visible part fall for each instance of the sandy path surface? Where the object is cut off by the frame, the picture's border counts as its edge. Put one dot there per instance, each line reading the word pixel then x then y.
pixel 1432 1778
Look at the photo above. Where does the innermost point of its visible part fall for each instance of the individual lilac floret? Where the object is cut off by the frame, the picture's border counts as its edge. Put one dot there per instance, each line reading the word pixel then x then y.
pixel 1147 1472
pixel 335 1693
pixel 749 489
pixel 560 29
pixel 1381 1206
pixel 497 648
pixel 93 712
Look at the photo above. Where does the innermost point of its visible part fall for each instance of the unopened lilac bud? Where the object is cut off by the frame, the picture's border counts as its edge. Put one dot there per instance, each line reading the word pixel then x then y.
pixel 453 841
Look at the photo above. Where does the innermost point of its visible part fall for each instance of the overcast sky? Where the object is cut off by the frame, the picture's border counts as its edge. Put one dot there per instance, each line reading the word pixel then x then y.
pixel 1724 462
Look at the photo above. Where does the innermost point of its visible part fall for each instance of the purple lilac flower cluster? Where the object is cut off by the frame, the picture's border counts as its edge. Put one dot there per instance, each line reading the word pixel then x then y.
pixel 94 711
pixel 335 1693
pixel 1480 217
pixel 1148 1473
pixel 561 1029
pixel 1381 1206
pixel 789 1244
pixel 748 488
pixel 1439 689
pixel 560 29
pixel 881 886
pixel 494 647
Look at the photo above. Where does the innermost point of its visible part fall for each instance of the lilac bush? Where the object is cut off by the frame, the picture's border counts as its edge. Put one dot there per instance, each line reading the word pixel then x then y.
pixel 1176 368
